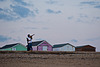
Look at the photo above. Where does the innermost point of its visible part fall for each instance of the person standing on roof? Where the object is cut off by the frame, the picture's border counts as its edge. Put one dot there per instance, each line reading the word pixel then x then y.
pixel 29 42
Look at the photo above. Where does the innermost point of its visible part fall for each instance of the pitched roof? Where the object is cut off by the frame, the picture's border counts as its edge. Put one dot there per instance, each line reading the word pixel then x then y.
pixel 9 46
pixel 83 46
pixel 36 43
pixel 61 45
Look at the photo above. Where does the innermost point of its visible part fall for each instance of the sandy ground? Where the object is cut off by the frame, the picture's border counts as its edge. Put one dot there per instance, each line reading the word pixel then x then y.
pixel 49 60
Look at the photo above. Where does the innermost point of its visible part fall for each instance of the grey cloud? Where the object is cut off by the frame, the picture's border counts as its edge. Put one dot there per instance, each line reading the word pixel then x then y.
pixel 31 28
pixel 39 39
pixel 83 16
pixel 93 39
pixel 80 20
pixel 71 17
pixel 45 28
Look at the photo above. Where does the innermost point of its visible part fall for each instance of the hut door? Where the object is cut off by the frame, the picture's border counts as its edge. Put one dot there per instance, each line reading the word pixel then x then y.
pixel 44 48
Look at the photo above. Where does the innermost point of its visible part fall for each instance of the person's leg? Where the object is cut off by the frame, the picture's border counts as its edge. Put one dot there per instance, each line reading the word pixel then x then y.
pixel 30 46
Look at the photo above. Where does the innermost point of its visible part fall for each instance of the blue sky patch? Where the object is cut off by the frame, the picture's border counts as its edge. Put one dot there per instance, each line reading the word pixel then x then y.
pixel 6 17
pixel 74 40
pixel 97 6
pixel 21 2
pixel 36 11
pixel 4 38
pixel 51 2
pixel 90 3
pixel 2 0
pixel 52 11
pixel 1 9
pixel 7 14
pixel 97 18
pixel 21 11
pixel 16 13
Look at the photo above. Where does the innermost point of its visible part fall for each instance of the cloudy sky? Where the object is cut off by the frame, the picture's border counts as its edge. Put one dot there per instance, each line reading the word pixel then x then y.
pixel 56 21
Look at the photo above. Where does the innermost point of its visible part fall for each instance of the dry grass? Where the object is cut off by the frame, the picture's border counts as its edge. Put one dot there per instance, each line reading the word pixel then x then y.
pixel 49 52
pixel 49 59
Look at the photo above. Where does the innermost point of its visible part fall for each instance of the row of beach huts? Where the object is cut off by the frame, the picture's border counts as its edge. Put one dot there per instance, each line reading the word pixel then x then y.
pixel 45 46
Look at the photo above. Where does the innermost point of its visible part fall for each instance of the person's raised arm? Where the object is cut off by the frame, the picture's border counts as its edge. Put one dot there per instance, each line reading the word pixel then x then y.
pixel 33 35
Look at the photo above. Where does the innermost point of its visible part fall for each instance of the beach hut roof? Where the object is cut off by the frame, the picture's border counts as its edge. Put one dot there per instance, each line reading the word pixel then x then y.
pixel 9 46
pixel 61 45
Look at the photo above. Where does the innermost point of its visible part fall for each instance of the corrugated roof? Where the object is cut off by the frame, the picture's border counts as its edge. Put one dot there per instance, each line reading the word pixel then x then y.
pixel 9 46
pixel 60 45
pixel 36 43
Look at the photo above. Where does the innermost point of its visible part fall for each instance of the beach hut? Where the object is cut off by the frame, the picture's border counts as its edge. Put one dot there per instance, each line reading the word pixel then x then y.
pixel 14 47
pixel 63 47
pixel 41 46
pixel 85 48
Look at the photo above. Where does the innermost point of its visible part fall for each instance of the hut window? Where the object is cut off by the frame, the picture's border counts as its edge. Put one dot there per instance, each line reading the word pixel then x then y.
pixel 44 48
pixel 14 49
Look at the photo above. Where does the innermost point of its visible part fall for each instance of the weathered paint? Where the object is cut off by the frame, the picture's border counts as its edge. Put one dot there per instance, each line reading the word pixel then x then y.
pixel 65 48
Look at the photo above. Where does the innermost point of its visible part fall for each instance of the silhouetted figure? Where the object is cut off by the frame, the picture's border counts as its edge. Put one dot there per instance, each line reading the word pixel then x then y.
pixel 29 42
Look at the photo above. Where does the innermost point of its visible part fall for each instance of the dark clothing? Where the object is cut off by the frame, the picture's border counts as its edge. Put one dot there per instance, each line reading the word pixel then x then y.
pixel 29 42
pixel 29 46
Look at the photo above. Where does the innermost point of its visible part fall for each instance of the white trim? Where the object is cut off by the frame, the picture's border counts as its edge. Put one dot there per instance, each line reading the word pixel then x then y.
pixel 43 41
pixel 40 43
